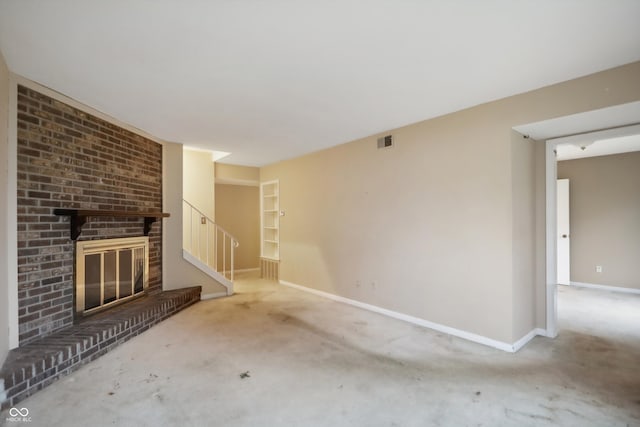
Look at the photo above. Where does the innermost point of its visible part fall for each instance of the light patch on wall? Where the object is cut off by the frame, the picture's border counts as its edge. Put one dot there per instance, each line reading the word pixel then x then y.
pixel 215 155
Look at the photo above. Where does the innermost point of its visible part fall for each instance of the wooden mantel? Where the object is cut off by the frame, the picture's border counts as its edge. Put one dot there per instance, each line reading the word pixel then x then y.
pixel 78 217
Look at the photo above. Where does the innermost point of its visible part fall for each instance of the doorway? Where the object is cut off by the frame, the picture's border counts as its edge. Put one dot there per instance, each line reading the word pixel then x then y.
pixel 615 121
pixel 589 144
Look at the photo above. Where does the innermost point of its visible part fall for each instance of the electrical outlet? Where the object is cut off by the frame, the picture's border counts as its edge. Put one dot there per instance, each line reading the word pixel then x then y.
pixel 598 269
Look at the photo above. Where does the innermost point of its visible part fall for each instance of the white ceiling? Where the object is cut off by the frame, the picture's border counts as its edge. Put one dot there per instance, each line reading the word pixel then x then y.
pixel 269 80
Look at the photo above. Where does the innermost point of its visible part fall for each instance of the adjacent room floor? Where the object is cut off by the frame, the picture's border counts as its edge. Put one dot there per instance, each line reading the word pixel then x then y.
pixel 274 356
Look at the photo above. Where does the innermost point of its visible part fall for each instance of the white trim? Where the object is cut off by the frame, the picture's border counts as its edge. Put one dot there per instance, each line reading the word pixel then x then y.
pixel 606 288
pixel 551 177
pixel 209 271
pixel 165 252
pixel 213 295
pixel 12 215
pixel 528 337
pixel 235 181
pixel 275 182
pixel 511 348
pixel 616 132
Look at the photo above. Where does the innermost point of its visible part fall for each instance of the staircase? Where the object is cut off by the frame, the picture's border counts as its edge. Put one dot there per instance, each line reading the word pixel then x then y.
pixel 208 246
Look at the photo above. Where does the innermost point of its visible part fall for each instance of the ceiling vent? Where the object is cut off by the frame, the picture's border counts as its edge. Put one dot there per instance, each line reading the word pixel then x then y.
pixel 385 141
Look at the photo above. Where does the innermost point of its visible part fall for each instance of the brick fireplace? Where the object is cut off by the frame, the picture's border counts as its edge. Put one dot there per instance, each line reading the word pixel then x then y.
pixel 83 182
pixel 68 158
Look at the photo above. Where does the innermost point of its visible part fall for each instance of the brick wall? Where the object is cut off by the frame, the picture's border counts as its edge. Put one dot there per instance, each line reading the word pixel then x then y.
pixel 70 159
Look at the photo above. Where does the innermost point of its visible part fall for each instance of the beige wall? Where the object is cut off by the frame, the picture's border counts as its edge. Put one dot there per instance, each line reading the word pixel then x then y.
pixel 605 218
pixel 237 175
pixel 443 226
pixel 399 228
pixel 199 190
pixel 198 184
pixel 238 212
pixel 178 273
pixel 4 182
pixel 523 226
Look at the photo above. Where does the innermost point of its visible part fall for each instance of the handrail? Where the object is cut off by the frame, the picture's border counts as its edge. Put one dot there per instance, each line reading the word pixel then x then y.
pixel 205 233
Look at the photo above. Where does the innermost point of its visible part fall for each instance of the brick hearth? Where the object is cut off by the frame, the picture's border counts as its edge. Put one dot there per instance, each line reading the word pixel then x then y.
pixel 34 366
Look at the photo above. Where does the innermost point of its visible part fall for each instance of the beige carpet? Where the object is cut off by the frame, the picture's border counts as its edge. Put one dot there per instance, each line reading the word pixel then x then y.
pixel 274 356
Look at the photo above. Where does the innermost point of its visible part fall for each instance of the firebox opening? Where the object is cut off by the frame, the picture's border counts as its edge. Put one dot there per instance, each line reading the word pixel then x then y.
pixel 110 271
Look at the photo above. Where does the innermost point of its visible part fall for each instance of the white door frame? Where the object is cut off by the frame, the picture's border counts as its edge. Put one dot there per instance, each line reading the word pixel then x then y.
pixel 563 238
pixel 551 174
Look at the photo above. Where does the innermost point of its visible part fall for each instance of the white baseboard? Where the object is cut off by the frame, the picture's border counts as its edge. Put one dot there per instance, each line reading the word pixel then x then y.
pixel 213 295
pixel 247 270
pixel 208 271
pixel 606 288
pixel 511 348
pixel 528 337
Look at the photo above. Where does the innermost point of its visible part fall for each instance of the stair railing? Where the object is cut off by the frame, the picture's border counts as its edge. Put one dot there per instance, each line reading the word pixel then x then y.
pixel 207 241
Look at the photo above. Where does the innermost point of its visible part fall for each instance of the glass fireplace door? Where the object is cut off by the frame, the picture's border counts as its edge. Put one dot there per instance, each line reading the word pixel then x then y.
pixel 110 270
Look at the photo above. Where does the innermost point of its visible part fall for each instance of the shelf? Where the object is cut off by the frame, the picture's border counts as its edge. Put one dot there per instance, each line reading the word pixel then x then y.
pixel 78 217
pixel 269 220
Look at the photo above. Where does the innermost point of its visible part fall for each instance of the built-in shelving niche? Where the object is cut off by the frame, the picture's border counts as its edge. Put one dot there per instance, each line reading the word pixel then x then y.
pixel 269 229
